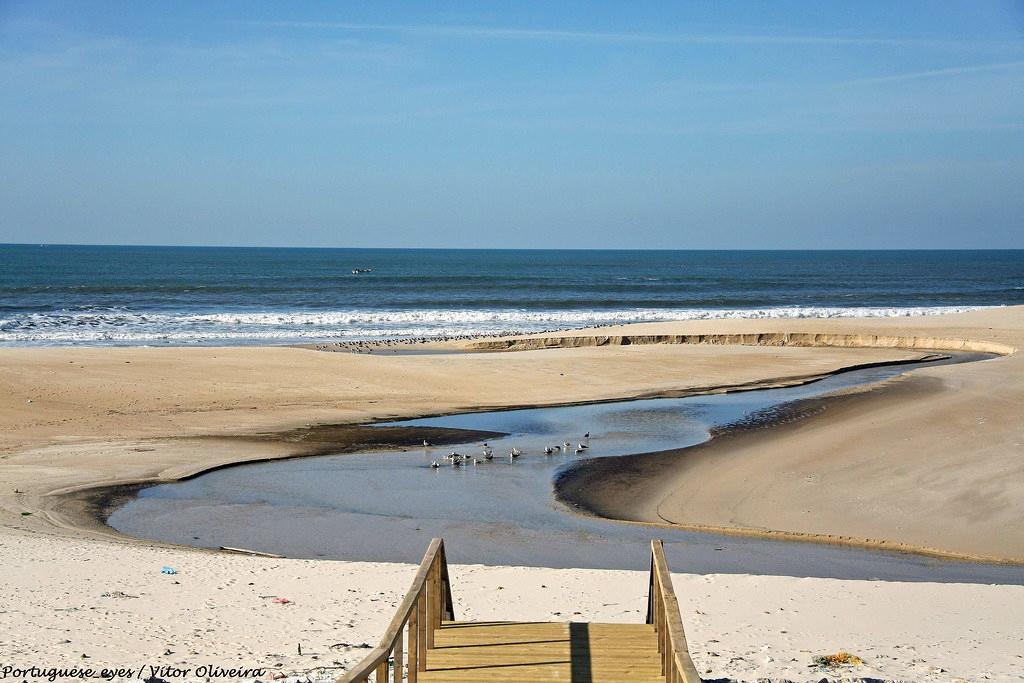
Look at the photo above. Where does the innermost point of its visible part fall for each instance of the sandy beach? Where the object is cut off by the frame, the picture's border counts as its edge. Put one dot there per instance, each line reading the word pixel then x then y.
pixel 340 336
pixel 932 460
pixel 68 597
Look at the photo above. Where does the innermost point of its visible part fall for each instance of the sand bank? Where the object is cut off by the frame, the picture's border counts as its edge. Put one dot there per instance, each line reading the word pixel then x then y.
pixel 932 460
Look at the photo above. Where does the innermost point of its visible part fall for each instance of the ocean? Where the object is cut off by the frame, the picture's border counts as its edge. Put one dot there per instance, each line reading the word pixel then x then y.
pixel 124 295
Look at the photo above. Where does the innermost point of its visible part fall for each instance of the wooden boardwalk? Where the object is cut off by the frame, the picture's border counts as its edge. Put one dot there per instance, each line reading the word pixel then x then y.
pixel 424 643
pixel 510 651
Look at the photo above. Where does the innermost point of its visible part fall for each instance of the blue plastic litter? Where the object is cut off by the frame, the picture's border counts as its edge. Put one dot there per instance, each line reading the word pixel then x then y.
pixel 168 570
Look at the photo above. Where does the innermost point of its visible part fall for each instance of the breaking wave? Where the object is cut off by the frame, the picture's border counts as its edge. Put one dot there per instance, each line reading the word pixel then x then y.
pixel 126 327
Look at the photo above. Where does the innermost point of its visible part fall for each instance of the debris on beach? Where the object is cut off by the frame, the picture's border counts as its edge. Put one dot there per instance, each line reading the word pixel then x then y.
pixel 837 659
pixel 168 570
pixel 350 645
pixel 281 601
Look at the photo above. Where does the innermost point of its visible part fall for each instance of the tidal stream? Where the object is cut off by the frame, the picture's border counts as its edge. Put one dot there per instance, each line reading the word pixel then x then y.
pixel 386 505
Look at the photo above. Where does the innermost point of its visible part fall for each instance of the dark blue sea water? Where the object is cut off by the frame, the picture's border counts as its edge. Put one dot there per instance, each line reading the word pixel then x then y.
pixel 195 295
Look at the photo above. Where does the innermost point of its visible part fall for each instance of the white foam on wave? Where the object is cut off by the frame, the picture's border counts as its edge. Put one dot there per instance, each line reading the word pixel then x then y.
pixel 118 326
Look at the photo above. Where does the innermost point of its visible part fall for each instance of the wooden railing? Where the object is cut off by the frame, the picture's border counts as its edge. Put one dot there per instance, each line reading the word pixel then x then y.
pixel 428 602
pixel 663 612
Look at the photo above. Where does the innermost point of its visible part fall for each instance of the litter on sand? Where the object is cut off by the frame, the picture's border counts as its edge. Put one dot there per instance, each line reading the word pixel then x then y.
pixel 838 659
pixel 168 570
pixel 281 601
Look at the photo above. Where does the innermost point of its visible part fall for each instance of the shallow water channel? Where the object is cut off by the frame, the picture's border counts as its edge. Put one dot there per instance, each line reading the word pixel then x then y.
pixel 386 505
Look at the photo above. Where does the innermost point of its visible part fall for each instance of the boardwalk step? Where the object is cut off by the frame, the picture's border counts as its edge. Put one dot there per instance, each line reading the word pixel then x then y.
pixel 494 652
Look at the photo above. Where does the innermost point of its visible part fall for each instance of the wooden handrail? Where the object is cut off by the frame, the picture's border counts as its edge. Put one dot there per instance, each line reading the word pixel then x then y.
pixel 663 613
pixel 426 604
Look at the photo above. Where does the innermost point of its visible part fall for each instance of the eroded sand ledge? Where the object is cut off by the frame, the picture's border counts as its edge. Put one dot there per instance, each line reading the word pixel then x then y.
pixel 797 339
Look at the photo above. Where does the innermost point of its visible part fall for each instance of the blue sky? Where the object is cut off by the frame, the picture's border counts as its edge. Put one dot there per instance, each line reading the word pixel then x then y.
pixel 646 125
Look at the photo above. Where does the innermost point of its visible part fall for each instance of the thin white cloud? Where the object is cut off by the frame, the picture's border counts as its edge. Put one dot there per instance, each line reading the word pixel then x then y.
pixel 937 73
pixel 468 31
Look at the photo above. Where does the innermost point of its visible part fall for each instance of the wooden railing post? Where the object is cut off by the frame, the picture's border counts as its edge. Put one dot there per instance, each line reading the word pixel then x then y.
pixel 448 611
pixel 414 642
pixel 421 624
pixel 431 604
pixel 399 658
pixel 438 594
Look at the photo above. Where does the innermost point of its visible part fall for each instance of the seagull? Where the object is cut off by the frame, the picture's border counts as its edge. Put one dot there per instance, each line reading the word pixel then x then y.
pixel 488 454
pixel 548 450
pixel 515 453
pixel 435 465
pixel 457 462
pixel 583 445
pixel 426 443
pixel 587 435
pixel 566 446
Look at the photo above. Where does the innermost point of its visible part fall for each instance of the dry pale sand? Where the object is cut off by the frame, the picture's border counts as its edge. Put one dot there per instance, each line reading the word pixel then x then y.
pixel 74 418
pixel 64 598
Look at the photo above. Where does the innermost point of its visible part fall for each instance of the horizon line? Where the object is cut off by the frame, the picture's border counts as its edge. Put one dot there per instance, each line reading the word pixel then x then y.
pixel 325 248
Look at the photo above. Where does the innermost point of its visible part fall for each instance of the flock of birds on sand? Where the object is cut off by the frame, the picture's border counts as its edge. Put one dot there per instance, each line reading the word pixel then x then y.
pixel 458 459
pixel 401 342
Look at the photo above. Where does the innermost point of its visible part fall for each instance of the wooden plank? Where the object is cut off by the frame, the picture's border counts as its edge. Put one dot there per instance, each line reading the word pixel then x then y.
pixel 496 652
